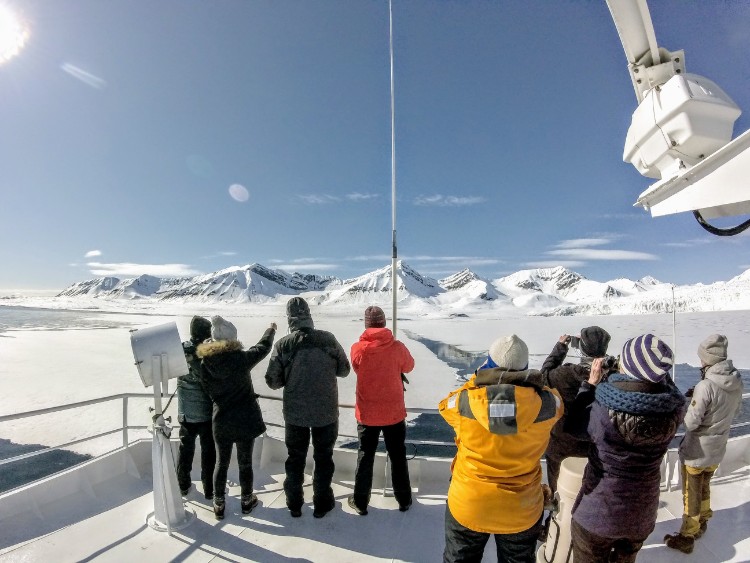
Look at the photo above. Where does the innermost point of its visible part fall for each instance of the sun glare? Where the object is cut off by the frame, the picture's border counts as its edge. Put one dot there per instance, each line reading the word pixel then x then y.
pixel 13 34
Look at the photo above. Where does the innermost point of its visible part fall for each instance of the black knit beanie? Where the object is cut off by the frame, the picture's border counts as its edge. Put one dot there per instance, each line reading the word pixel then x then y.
pixel 594 341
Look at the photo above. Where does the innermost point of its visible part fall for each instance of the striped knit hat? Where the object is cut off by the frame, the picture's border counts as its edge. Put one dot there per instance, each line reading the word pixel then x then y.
pixel 646 358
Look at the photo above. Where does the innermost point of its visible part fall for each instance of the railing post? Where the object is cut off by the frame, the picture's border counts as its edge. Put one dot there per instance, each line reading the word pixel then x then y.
pixel 125 440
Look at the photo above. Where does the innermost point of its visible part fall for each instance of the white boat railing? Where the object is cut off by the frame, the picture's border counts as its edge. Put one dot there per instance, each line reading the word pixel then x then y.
pixel 126 427
pixel 669 464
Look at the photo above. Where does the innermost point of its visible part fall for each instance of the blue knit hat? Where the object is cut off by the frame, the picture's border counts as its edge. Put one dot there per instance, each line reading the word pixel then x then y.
pixel 646 358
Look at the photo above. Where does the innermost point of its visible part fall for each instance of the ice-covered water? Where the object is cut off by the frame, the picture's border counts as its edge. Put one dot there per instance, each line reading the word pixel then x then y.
pixel 57 356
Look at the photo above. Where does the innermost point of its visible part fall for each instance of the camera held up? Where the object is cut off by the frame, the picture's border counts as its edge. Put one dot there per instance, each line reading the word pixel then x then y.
pixel 610 364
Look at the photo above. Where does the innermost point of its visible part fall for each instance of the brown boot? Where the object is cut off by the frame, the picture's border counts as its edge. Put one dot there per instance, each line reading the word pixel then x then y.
pixel 704 527
pixel 679 542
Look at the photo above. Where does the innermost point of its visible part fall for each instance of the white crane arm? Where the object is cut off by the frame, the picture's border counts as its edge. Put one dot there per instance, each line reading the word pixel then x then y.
pixel 648 64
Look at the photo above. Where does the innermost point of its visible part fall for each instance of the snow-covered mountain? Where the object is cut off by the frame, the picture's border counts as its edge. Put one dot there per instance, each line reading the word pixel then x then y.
pixel 545 291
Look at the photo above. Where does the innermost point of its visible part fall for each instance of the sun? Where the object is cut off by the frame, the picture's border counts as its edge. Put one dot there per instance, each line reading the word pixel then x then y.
pixel 13 34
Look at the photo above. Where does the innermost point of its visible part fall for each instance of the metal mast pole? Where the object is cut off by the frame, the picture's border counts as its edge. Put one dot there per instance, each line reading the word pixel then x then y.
pixel 674 337
pixel 394 253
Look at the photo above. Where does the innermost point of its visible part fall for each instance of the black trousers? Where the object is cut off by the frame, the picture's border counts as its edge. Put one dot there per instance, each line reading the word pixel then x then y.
pixel 394 437
pixel 244 463
pixel 465 545
pixel 297 443
pixel 590 548
pixel 188 433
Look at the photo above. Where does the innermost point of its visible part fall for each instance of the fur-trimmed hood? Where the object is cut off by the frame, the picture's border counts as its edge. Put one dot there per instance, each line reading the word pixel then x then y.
pixel 216 347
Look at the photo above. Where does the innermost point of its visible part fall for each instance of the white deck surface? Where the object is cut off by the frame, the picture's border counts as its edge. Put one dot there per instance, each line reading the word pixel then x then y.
pixel 106 521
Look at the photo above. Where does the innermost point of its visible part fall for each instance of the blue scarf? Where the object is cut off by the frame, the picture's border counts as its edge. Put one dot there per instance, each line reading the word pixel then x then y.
pixel 489 364
pixel 633 402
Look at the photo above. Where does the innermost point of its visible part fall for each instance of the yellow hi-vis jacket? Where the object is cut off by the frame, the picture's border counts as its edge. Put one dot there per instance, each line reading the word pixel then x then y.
pixel 502 431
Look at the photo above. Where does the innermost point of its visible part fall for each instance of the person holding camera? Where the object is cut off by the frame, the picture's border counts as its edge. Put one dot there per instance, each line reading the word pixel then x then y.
pixel 237 418
pixel 715 401
pixel 502 418
pixel 630 416
pixel 567 379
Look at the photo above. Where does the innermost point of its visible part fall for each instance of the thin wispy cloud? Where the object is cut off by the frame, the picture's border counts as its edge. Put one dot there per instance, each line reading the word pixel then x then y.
pixel 92 253
pixel 582 242
pixel 84 76
pixel 585 254
pixel 133 270
pixel 296 266
pixel 553 264
pixel 689 243
pixel 318 199
pixel 626 216
pixel 220 254
pixel 370 258
pixel 356 196
pixel 448 200
pixel 459 261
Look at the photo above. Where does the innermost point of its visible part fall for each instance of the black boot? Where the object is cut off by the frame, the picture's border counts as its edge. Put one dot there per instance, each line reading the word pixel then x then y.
pixel 323 509
pixel 248 502
pixel 679 542
pixel 219 506
pixel 353 505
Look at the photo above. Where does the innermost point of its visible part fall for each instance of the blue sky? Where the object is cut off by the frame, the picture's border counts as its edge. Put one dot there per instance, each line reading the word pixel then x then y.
pixel 183 137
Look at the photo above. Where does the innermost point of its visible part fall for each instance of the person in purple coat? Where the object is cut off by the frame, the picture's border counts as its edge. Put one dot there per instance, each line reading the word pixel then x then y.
pixel 631 418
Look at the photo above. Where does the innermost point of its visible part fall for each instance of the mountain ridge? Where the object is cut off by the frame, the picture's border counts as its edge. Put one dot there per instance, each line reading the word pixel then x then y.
pixel 542 291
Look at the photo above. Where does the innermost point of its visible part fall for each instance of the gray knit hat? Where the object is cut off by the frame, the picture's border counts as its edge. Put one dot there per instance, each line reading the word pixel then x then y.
pixel 222 329
pixel 510 352
pixel 713 349
pixel 646 358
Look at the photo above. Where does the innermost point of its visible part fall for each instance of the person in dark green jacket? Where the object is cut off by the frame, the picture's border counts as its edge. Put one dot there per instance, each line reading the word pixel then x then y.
pixel 194 408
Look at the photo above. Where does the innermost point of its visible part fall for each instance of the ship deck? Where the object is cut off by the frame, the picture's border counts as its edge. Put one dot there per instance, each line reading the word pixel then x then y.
pixel 98 512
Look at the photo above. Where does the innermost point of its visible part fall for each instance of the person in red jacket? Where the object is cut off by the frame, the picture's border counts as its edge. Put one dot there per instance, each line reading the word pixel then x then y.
pixel 379 360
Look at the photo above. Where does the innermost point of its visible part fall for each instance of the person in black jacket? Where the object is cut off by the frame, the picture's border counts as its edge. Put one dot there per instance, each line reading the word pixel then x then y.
pixel 306 363
pixel 567 379
pixel 194 408
pixel 236 414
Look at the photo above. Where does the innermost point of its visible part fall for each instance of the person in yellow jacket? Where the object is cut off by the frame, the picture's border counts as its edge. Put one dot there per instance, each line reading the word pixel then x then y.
pixel 502 418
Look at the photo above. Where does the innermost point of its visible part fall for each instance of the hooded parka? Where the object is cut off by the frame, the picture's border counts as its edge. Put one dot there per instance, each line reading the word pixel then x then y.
pixel 226 376
pixel 716 401
pixel 306 363
pixel 379 360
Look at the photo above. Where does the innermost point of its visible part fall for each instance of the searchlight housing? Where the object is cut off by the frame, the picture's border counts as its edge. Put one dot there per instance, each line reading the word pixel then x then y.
pixel 681 131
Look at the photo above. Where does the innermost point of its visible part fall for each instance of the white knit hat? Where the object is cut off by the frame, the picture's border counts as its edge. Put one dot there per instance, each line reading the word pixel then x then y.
pixel 510 352
pixel 222 329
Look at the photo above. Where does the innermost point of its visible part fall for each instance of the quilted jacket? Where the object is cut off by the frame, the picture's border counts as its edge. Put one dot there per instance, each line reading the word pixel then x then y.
pixel 620 491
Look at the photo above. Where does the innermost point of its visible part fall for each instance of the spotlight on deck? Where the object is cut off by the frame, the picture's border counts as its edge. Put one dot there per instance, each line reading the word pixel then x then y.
pixel 159 357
